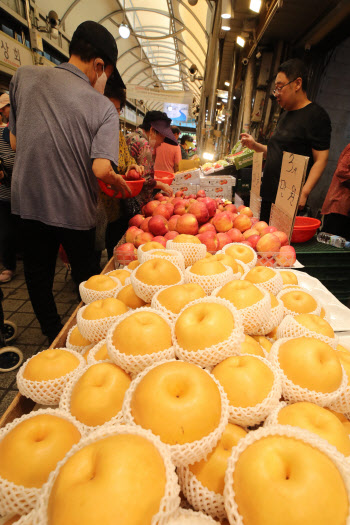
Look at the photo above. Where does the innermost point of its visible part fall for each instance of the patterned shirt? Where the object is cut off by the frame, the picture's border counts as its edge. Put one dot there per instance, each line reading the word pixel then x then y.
pixel 141 151
pixel 8 157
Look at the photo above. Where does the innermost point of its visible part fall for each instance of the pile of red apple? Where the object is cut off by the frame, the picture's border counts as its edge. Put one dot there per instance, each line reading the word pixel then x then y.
pixel 213 221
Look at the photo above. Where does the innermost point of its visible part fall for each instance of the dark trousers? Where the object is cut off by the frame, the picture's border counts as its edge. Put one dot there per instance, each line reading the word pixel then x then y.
pixel 265 211
pixel 40 244
pixel 8 236
pixel 114 232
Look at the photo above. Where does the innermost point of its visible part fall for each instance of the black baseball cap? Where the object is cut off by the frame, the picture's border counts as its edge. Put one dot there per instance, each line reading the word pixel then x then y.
pixel 101 39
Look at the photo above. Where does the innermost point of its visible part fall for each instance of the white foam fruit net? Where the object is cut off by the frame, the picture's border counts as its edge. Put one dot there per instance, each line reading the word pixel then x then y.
pixel 173 256
pixel 209 282
pixel 91 358
pixel 293 393
pixel 170 501
pixel 211 356
pixel 290 312
pixel 76 348
pixel 28 519
pixel 273 285
pixel 199 496
pixel 190 517
pixel 254 317
pixel 279 430
pixel 187 453
pixel 277 314
pixel 291 328
pixel 251 416
pixel 94 329
pixel 17 499
pixel 249 264
pixel 191 252
pixel 133 364
pixel 88 296
pixel 156 305
pixel 147 291
pixel 46 392
pixel 272 418
pixel 66 398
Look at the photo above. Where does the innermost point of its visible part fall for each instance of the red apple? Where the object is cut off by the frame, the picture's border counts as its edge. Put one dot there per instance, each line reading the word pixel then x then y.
pixel 286 256
pixel 162 210
pixel 247 211
pixel 231 207
pixel 210 204
pixel 170 208
pixel 192 196
pixel 144 224
pixel 242 223
pixel 171 235
pixel 181 207
pixel 142 238
pixel 158 225
pixel 160 197
pixel 250 232
pixel 269 229
pixel 282 237
pixel 161 239
pixel 210 240
pixel 187 224
pixel 236 235
pixel 247 243
pixel 241 207
pixel 207 227
pixel 131 234
pixel 179 193
pixel 133 175
pixel 174 200
pixel 260 226
pixel 150 207
pixel 200 211
pixel 125 253
pixel 223 221
pixel 136 220
pixel 223 239
pixel 172 222
pixel 253 240
pixel 269 244
pixel 201 193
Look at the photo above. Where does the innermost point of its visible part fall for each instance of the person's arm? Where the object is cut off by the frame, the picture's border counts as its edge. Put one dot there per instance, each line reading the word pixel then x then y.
pixel 103 170
pixel 13 141
pixel 249 142
pixel 178 158
pixel 320 162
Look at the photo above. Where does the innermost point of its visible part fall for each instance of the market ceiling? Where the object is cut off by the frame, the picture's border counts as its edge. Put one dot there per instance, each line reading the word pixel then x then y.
pixel 168 36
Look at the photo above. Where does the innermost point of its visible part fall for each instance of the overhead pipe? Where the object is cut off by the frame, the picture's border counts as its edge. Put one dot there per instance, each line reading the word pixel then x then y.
pixel 276 5
pixel 248 95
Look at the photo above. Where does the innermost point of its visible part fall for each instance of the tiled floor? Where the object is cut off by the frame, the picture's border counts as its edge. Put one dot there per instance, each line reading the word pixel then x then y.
pixel 17 308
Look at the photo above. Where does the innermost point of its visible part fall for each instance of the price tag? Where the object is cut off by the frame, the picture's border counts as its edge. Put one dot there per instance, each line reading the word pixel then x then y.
pixel 256 173
pixel 291 181
pixel 255 204
pixel 292 177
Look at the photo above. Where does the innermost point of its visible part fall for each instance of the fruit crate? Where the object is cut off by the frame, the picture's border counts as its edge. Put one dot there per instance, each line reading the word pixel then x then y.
pixel 22 405
pixel 269 259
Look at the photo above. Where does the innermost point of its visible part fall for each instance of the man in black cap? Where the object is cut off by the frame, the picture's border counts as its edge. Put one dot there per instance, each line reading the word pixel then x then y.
pixel 65 135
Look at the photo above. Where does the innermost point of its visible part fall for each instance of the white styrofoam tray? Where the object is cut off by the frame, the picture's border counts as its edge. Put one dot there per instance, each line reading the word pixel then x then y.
pixel 337 314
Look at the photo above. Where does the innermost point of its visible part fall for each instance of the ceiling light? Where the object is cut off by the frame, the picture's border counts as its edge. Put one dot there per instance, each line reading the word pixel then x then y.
pixel 218 103
pixel 227 83
pixel 124 30
pixel 255 5
pixel 225 26
pixel 240 41
pixel 224 100
pixel 234 98
pixel 170 108
pixel 226 10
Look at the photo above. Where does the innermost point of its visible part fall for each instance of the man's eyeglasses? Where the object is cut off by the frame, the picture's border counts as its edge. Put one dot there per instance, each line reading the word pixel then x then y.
pixel 278 89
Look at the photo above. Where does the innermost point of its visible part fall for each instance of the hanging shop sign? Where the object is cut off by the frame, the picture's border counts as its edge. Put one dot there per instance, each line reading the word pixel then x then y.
pixel 13 54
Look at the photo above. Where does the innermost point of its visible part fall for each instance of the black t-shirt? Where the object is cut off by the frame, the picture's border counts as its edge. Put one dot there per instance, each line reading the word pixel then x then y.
pixel 299 131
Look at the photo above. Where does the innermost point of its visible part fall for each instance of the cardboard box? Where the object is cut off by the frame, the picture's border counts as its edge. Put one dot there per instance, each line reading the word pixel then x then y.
pixel 187 177
pixel 224 192
pixel 244 160
pixel 217 180
pixel 188 189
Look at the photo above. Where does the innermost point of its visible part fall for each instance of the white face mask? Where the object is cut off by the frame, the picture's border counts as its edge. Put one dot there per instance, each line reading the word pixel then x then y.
pixel 101 82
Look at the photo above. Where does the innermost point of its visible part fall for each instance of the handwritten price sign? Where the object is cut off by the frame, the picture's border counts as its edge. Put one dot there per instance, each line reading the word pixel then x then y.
pixel 256 173
pixel 291 181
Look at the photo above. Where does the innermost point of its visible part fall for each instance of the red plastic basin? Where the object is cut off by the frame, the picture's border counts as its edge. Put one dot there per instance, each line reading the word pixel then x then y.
pixel 164 176
pixel 134 185
pixel 304 228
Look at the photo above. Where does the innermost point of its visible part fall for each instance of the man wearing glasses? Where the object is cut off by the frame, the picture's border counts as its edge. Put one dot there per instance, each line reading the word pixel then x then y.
pixel 303 128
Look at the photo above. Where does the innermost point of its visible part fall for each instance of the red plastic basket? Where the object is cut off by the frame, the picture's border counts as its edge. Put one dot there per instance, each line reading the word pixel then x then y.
pixel 134 185
pixel 164 176
pixel 304 228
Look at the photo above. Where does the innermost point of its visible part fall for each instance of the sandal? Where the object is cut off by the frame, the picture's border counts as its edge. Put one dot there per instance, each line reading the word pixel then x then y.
pixel 6 276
